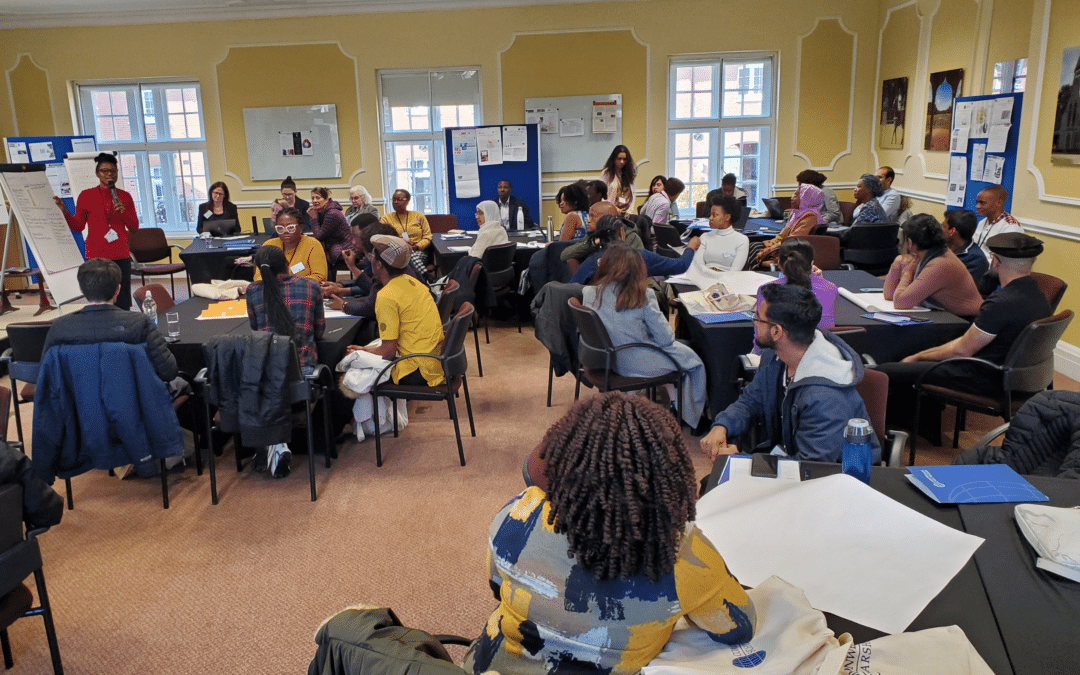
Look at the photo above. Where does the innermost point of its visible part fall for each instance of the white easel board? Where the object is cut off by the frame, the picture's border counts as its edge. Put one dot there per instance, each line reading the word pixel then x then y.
pixel 44 228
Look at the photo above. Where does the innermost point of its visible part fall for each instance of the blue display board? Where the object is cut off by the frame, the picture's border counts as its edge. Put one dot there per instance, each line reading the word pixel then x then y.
pixel 969 150
pixel 523 176
pixel 61 145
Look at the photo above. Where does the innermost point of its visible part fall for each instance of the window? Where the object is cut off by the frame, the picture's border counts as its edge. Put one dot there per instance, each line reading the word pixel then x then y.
pixel 157 131
pixel 416 107
pixel 1009 76
pixel 721 120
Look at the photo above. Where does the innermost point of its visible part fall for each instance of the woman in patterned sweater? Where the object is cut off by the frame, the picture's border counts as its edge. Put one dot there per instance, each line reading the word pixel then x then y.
pixel 593 574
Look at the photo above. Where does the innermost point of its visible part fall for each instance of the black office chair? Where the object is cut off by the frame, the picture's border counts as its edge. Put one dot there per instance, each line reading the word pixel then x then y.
pixel 599 359
pixel 454 364
pixel 446 302
pixel 303 392
pixel 23 358
pixel 667 240
pixel 1028 369
pixel 871 246
pixel 19 558
pixel 1051 287
pixel 149 244
pixel 498 264
pixel 222 228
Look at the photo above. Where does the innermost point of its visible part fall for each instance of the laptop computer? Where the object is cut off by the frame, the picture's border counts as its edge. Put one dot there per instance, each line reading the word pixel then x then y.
pixel 268 226
pixel 222 228
pixel 775 212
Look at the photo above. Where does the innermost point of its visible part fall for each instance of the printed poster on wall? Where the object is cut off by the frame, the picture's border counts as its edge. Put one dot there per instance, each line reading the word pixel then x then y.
pixel 1066 144
pixel 466 169
pixel 490 145
pixel 515 144
pixel 604 117
pixel 944 88
pixel 893 107
pixel 546 118
pixel 296 143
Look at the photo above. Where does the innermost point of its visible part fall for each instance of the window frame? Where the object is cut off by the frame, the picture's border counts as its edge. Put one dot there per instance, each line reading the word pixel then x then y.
pixel 716 123
pixel 177 192
pixel 435 200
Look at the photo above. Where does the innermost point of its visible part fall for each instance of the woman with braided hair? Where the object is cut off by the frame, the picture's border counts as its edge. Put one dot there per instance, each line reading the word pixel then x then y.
pixel 593 574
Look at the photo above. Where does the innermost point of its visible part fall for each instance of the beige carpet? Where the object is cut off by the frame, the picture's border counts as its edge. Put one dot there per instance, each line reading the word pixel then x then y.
pixel 241 587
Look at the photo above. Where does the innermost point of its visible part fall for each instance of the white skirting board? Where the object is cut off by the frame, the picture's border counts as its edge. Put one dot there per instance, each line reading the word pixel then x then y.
pixel 1067 360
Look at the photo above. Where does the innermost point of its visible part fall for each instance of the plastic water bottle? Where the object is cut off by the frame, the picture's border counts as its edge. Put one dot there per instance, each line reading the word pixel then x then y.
pixel 857 454
pixel 520 221
pixel 149 308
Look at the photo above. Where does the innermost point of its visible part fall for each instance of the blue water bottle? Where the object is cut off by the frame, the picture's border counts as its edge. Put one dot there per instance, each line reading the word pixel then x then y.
pixel 857 454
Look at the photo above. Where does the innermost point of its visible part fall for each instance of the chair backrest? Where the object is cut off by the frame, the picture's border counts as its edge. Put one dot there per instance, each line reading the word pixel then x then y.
pixel 595 349
pixel 847 212
pixel 456 362
pixel 1051 287
pixel 826 250
pixel 1029 365
pixel 161 296
pixel 5 404
pixel 783 202
pixel 11 521
pixel 874 390
pixel 666 235
pixel 441 222
pixel 27 340
pixel 854 336
pixel 499 264
pixel 447 300
pixel 148 244
pixel 872 236
pixel 701 209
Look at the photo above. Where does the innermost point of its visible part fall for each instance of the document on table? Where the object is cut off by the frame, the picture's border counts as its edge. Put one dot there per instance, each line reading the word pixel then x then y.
pixel 741 283
pixel 458 249
pixel 876 302
pixel 225 309
pixel 847 545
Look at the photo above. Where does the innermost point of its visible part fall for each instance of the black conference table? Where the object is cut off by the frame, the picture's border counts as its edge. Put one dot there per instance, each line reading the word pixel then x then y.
pixel 213 258
pixel 194 333
pixel 1020 619
pixel 445 259
pixel 720 344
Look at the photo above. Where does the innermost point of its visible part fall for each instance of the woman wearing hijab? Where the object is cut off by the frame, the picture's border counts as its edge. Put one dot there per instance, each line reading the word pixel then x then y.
pixel 805 215
pixel 491 231
pixel 928 270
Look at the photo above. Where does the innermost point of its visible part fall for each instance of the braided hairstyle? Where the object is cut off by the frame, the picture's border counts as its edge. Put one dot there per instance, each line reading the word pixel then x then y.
pixel 621 485
pixel 271 262
pixel 796 260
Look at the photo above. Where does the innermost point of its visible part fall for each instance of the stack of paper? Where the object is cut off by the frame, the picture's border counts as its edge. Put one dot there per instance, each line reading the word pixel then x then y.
pixel 1054 533
pixel 876 302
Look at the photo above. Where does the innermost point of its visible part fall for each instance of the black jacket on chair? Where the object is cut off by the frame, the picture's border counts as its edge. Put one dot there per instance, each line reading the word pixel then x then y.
pixel 42 506
pixel 249 383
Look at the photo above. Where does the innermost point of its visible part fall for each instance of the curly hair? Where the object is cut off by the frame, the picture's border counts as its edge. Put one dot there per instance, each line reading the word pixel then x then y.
pixel 621 485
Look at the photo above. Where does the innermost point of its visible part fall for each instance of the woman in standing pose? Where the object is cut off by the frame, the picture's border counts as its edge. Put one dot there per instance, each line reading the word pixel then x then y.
pixel 619 174
pixel 109 214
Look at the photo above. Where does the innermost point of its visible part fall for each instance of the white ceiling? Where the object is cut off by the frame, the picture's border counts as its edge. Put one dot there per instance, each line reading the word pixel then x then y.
pixel 50 13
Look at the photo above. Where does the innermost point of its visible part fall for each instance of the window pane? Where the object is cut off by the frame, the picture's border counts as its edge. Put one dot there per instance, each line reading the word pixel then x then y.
pixel 744 89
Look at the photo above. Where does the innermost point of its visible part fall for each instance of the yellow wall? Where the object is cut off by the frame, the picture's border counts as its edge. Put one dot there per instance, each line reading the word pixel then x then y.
pixel 621 47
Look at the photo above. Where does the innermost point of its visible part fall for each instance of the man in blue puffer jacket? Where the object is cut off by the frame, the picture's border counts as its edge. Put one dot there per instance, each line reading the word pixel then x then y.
pixel 804 390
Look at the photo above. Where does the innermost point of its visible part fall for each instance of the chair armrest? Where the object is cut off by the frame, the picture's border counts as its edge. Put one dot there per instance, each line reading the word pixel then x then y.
pixel 895 440
pixel 960 359
pixel 453 640
pixel 992 435
pixel 869 361
pixel 201 377
pixel 322 376
pixel 178 248
pixel 392 363
pixel 645 345
pixel 6 356
pixel 846 266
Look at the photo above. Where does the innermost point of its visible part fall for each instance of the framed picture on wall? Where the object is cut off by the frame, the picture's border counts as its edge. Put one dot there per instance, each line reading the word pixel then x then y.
pixel 944 88
pixel 1066 147
pixel 893 106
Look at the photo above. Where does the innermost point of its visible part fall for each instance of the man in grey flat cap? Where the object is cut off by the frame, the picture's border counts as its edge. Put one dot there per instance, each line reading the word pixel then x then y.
pixel 1002 318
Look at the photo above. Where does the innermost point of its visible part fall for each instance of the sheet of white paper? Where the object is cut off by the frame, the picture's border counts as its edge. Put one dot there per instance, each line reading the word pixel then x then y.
pixel 978 160
pixel 32 198
pixel 17 153
pixel 58 179
pixel 459 249
pixel 1001 110
pixel 604 117
pixel 515 144
pixel 465 158
pixel 490 145
pixel 980 118
pixel 83 145
pixel 838 539
pixel 742 283
pixel 959 140
pixel 995 167
pixel 572 126
pixel 876 302
pixel 999 137
pixel 42 152
pixel 962 114
pixel 335 314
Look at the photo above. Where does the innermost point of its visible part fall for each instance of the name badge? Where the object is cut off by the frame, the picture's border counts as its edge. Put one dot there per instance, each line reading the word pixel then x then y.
pixel 208 214
pixel 297 268
pixel 111 235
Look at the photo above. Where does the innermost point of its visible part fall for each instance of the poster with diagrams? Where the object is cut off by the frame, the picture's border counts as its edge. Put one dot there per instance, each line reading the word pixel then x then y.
pixel 982 146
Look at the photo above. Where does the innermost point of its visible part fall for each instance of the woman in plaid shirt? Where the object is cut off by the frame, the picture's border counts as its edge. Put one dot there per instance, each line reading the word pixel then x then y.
pixel 286 305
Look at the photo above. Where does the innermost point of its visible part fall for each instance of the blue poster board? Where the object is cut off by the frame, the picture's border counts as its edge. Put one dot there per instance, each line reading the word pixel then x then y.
pixel 524 177
pixel 973 187
pixel 61 145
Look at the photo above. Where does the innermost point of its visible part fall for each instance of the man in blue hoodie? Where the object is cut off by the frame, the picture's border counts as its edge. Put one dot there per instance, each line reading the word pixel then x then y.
pixel 803 392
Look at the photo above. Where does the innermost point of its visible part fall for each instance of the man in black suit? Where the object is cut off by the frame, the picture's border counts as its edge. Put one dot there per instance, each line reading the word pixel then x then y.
pixel 508 208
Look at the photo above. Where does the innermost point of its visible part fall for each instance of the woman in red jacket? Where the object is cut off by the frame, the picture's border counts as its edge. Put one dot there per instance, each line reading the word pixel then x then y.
pixel 110 214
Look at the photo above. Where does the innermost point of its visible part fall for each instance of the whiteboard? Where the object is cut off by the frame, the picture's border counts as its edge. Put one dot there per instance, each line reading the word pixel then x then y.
pixel 297 141
pixel 587 152
pixel 43 227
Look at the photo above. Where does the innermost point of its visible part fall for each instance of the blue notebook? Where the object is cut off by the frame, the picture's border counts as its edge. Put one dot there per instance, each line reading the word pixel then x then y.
pixel 973 484
pixel 729 317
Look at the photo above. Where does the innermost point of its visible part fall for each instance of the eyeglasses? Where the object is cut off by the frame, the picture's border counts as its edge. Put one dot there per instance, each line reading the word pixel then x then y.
pixel 108 171
pixel 757 319
pixel 282 229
